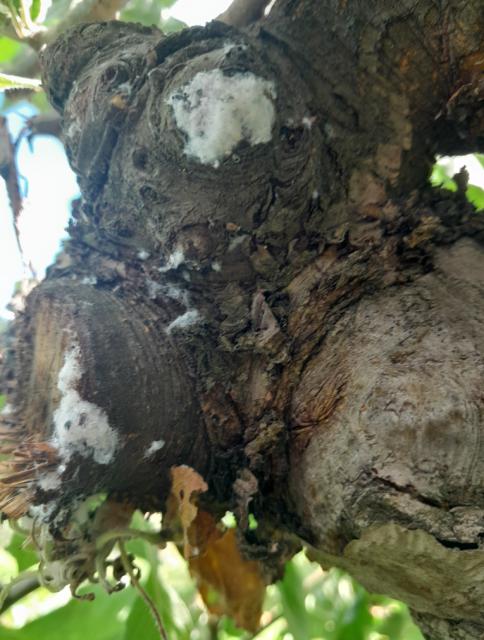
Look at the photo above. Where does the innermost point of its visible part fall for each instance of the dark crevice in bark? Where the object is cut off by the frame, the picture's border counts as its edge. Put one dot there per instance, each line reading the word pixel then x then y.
pixel 411 491
pixel 456 544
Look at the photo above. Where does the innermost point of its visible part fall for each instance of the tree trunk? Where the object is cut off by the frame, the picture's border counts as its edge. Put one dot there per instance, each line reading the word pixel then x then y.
pixel 275 295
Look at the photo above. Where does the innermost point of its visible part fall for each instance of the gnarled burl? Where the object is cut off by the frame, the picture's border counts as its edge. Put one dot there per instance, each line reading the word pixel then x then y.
pixel 260 284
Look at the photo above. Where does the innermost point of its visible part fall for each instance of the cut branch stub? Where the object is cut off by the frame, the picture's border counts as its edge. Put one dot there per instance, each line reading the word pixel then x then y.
pixel 108 393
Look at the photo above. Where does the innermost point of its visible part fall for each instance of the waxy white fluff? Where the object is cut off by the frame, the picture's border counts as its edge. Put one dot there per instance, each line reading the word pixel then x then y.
pixel 80 426
pixel 217 111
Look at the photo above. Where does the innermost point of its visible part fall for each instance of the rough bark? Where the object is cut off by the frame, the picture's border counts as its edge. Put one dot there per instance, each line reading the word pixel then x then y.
pixel 333 376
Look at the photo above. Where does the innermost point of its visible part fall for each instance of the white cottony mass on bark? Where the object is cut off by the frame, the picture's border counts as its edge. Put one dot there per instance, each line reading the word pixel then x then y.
pixel 217 111
pixel 80 426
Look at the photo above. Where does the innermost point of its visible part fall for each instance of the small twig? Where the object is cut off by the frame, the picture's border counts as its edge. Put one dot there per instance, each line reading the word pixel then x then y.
pixel 15 22
pixel 128 567
pixel 241 13
pixel 24 12
pixel 43 124
pixel 115 535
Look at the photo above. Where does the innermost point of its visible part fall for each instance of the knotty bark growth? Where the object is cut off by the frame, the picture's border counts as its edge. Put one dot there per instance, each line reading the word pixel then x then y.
pixel 300 319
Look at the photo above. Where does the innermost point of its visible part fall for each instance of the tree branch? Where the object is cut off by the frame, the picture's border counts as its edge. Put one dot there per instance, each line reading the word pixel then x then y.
pixel 43 124
pixel 9 172
pixel 20 589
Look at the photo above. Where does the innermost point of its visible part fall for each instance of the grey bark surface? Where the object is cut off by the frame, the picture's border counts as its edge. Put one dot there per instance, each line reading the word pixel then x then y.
pixel 335 377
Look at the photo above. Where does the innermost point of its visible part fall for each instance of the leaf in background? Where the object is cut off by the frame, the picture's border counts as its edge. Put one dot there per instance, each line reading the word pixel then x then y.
pixel 227 630
pixel 173 611
pixel 40 102
pixel 392 623
pixel 8 49
pixel 35 8
pixel 140 623
pixel 78 620
pixel 439 178
pixel 25 556
pixel 16 82
pixel 475 195
pixel 148 12
pixel 228 583
pixel 357 620
pixel 171 25
pixel 480 158
pixel 292 594
pixel 3 401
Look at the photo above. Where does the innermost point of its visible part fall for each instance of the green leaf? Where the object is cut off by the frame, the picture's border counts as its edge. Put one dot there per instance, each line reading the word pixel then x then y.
pixel 356 620
pixel 8 49
pixel 35 8
pixel 16 82
pixel 40 102
pixel 439 178
pixel 78 620
pixel 229 520
pixel 3 402
pixel 148 12
pixel 226 629
pixel 396 621
pixel 480 159
pixel 170 25
pixel 25 556
pixel 475 195
pixel 140 623
pixel 292 594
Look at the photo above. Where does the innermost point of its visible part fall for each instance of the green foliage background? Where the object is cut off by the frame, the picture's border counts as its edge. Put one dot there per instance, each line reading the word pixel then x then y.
pixel 307 603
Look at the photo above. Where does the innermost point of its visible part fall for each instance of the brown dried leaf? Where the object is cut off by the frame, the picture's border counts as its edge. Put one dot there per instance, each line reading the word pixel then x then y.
pixel 185 482
pixel 228 584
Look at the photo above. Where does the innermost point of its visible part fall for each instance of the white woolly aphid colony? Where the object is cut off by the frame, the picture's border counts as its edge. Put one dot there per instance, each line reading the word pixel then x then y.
pixel 217 111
